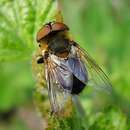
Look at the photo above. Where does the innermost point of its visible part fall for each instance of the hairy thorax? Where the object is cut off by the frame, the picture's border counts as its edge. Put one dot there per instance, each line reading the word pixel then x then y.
pixel 57 45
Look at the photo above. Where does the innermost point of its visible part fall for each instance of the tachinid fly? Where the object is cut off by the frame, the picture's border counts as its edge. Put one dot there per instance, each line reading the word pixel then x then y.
pixel 68 67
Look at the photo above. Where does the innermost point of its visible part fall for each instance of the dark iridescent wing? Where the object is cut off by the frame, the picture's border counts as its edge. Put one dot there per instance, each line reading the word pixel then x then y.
pixel 58 95
pixel 78 69
pixel 97 78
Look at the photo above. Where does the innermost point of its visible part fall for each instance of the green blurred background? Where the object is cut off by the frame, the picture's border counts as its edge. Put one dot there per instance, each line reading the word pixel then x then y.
pixel 102 27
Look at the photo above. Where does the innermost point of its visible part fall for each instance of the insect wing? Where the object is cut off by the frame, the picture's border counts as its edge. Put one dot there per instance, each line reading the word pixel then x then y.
pixel 78 69
pixel 97 78
pixel 58 95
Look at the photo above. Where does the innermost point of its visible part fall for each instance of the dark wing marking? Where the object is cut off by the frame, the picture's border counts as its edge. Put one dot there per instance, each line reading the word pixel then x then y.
pixel 57 94
pixel 97 78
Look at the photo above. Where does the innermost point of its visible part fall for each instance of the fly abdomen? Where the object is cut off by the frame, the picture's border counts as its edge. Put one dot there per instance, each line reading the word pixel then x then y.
pixel 78 86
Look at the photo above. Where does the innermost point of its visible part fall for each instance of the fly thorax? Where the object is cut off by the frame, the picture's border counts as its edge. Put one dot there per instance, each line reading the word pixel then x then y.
pixel 59 45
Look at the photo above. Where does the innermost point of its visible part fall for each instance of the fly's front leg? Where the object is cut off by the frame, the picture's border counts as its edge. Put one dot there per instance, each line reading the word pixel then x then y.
pixel 41 58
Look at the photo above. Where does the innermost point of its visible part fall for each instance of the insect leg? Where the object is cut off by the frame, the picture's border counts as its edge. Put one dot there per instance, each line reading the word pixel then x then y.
pixel 40 59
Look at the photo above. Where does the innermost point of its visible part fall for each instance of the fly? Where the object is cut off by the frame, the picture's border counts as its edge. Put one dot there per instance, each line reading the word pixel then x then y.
pixel 68 67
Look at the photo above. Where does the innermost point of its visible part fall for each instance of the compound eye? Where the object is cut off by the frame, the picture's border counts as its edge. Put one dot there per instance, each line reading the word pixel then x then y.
pixel 44 31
